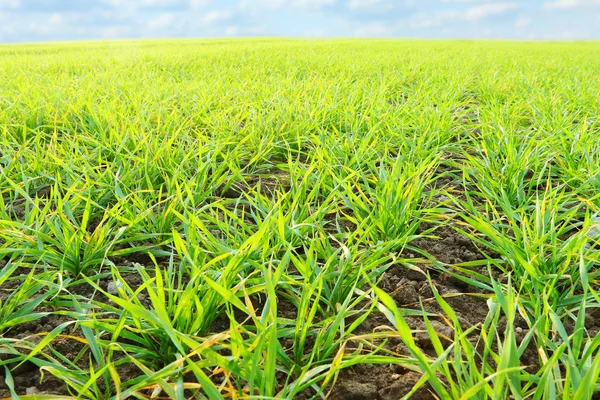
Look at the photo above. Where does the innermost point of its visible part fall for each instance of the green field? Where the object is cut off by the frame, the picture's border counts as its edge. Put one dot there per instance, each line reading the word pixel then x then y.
pixel 343 219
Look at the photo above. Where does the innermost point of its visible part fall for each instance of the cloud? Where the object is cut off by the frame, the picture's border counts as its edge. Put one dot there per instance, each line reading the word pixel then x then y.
pixel 369 4
pixel 157 4
pixel 523 22
pixel 570 34
pixel 570 4
pixel 217 16
pixel 10 4
pixel 145 3
pixel 162 21
pixel 472 14
pixel 50 6
pixel 374 29
pixel 318 33
pixel 377 9
pixel 486 11
pixel 58 26
pixel 35 20
pixel 56 19
pixel 274 5
pixel 237 30
pixel 458 1
pixel 311 5
pixel 199 3
pixel 465 1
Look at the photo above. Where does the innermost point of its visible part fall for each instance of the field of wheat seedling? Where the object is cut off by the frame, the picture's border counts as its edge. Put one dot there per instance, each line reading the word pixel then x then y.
pixel 342 219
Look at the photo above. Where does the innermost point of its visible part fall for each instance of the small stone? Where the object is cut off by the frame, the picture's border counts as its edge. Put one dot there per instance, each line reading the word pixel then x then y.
pixel 406 294
pixel 30 391
pixel 352 390
pixel 594 231
pixel 445 335
pixel 113 287
pixel 425 290
pixel 519 329
pixel 401 387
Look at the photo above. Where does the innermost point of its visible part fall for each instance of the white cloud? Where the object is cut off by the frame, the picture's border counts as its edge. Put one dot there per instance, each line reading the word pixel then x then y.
pixel 567 4
pixel 199 3
pixel 115 32
pixel 317 33
pixel 435 19
pixel 217 16
pixel 12 4
pixel 487 33
pixel 252 5
pixel 469 1
pixel 237 30
pixel 162 21
pixel 488 10
pixel 56 19
pixel 311 5
pixel 523 22
pixel 144 3
pixel 473 14
pixel 461 1
pixel 571 34
pixel 273 5
pixel 48 26
pixel 366 4
pixel 232 30
pixel 373 29
pixel 31 20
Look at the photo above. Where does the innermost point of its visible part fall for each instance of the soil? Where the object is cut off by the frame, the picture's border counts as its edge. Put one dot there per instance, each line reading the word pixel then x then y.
pixel 267 182
pixel 408 287
pixel 27 377
pixel 382 382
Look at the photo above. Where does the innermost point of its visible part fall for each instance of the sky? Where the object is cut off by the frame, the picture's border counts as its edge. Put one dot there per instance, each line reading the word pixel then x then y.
pixel 58 20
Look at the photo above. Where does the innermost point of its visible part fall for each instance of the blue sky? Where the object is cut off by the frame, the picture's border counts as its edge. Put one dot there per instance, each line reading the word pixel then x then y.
pixel 50 20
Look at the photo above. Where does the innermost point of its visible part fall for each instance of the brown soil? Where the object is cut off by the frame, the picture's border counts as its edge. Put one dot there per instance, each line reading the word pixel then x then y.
pixel 268 182
pixel 27 377
pixel 408 287
pixel 382 382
